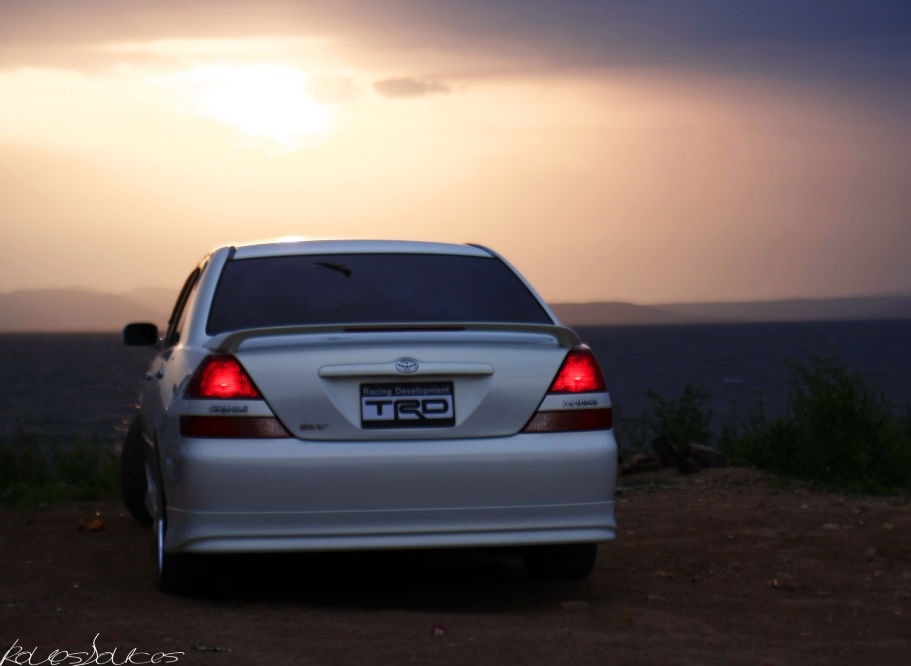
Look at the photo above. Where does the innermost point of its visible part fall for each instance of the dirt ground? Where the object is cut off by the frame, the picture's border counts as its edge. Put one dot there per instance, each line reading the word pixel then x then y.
pixel 720 567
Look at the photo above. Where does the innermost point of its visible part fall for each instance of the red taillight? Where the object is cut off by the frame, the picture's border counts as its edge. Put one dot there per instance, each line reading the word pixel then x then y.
pixel 580 373
pixel 222 378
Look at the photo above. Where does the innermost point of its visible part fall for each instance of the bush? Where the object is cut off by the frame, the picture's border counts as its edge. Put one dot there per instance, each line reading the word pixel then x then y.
pixel 86 470
pixel 681 420
pixel 836 430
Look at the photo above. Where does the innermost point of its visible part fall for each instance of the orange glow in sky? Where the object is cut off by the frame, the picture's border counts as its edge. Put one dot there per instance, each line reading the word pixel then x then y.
pixel 267 101
pixel 713 160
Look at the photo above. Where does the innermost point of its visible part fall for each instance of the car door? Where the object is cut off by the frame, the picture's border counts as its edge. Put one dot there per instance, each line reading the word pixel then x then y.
pixel 156 394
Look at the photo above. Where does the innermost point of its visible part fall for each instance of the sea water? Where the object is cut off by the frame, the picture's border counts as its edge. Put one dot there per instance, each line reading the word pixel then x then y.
pixel 61 387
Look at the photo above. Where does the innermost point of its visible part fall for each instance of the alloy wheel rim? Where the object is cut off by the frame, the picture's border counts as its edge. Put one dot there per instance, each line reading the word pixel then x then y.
pixel 159 546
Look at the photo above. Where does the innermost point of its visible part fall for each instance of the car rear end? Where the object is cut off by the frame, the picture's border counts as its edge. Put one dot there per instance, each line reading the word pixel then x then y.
pixel 383 395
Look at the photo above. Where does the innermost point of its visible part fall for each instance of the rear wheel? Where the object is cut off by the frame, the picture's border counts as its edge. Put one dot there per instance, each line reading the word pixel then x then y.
pixel 133 483
pixel 573 561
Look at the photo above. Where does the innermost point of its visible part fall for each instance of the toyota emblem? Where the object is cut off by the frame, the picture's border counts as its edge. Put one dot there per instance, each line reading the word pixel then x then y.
pixel 406 365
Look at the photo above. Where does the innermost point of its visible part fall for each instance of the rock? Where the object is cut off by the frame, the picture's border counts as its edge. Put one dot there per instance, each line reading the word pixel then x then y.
pixel 687 466
pixel 706 456
pixel 667 453
pixel 96 524
pixel 641 462
pixel 687 458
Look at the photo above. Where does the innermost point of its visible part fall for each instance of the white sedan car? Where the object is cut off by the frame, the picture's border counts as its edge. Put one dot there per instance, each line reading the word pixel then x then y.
pixel 365 395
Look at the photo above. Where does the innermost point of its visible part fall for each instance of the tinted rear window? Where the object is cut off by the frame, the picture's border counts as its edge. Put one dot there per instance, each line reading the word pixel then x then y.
pixel 369 288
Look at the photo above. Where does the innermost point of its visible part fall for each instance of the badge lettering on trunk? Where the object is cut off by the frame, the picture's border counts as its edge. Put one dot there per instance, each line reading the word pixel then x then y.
pixel 407 405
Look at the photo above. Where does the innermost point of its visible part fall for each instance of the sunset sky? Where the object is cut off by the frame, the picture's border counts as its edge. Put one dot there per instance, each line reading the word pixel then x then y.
pixel 648 151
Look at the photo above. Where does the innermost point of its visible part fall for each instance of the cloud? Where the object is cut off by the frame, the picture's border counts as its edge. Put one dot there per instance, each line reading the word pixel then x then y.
pixel 859 44
pixel 747 149
pixel 410 87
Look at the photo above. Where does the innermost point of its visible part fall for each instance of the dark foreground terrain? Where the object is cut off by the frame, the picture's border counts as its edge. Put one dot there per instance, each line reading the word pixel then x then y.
pixel 721 567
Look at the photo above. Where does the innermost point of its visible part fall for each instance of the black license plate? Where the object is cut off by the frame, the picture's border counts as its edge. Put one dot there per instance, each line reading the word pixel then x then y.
pixel 418 405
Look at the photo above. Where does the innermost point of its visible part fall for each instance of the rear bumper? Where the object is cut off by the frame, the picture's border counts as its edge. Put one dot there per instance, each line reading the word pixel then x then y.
pixel 236 533
pixel 291 495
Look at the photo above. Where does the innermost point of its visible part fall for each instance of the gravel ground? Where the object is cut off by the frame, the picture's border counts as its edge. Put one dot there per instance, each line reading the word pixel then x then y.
pixel 720 567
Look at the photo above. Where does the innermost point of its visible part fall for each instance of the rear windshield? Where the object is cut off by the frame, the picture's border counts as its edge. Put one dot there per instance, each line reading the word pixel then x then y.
pixel 369 288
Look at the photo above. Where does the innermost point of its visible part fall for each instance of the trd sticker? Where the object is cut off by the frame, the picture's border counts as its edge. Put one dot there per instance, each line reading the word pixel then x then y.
pixel 407 405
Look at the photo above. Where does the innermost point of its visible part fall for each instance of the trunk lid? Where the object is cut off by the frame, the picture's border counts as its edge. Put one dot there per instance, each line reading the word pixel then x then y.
pixel 403 383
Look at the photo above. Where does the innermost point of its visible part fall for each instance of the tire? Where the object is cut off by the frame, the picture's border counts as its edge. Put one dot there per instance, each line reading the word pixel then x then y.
pixel 573 561
pixel 133 483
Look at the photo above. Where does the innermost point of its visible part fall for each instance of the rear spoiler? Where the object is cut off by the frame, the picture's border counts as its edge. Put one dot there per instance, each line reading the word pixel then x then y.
pixel 230 342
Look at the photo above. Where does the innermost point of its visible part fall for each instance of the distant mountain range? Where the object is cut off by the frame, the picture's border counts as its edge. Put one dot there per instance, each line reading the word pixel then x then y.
pixel 81 310
pixel 84 310
pixel 798 309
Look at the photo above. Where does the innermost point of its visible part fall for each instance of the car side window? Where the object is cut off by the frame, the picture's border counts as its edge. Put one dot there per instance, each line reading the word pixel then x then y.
pixel 179 314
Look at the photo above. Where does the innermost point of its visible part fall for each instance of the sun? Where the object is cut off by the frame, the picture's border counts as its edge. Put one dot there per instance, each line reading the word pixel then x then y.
pixel 262 101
